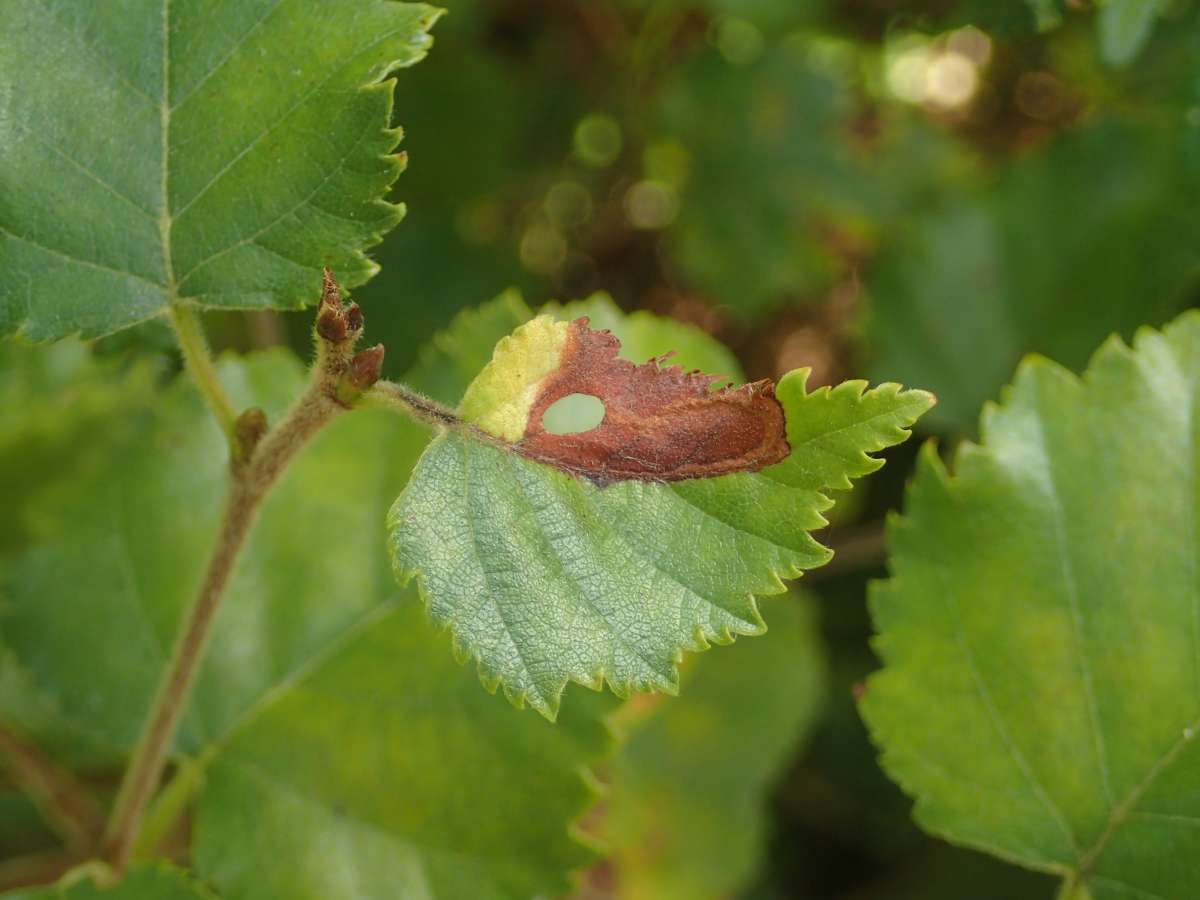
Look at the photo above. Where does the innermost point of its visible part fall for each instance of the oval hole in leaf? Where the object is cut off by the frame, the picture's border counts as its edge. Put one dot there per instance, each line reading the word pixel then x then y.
pixel 573 414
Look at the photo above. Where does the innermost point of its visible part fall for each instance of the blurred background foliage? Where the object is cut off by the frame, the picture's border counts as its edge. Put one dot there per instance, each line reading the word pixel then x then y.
pixel 909 190
pixel 917 191
pixel 894 189
pixel 912 190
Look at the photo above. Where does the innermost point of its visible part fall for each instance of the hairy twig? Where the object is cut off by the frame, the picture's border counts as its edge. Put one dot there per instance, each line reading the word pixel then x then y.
pixel 407 401
pixel 339 378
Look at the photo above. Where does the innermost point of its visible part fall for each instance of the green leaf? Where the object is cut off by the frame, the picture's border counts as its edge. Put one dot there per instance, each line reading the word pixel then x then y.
pixel 546 578
pixel 973 284
pixel 141 565
pixel 52 400
pixel 1040 696
pixel 387 772
pixel 453 357
pixel 324 706
pixel 481 130
pixel 1047 13
pixel 686 814
pixel 170 151
pixel 1124 27
pixel 157 881
pixel 450 361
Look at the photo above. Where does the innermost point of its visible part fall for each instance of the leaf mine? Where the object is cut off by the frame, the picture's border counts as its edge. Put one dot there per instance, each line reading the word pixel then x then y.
pixel 660 423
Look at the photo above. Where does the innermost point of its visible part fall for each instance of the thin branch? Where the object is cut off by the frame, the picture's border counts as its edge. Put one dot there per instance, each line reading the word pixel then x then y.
pixel 405 400
pixel 339 377
pixel 68 806
pixel 199 362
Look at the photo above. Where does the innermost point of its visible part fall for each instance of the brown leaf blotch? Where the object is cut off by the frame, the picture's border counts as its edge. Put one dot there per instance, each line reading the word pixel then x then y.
pixel 660 423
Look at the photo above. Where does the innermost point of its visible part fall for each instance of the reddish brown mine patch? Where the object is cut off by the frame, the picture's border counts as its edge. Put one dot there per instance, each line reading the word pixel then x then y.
pixel 660 423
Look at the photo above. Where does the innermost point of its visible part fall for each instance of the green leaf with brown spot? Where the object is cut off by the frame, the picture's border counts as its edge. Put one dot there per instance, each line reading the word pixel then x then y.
pixel 549 568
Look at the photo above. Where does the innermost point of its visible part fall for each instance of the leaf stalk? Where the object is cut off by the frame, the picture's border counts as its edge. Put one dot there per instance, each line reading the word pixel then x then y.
pixel 404 400
pixel 199 362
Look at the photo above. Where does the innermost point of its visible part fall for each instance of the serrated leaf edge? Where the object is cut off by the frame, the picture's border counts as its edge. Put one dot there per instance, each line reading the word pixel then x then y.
pixel 701 638
pixel 947 477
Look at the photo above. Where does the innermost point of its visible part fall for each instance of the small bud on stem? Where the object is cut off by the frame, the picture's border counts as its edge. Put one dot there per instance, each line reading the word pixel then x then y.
pixel 338 327
pixel 363 372
pixel 248 430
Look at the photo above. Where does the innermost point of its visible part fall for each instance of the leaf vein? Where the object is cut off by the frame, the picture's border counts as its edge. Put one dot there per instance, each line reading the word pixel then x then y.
pixel 571 576
pixel 228 55
pixel 86 171
pixel 1067 567
pixel 91 264
pixel 997 720
pixel 304 98
pixel 253 239
pixel 483 570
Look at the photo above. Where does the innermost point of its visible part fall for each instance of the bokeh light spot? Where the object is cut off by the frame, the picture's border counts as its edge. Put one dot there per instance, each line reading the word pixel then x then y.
pixel 543 249
pixel 598 140
pixel 568 204
pixel 651 204
pixel 951 80
pixel 739 41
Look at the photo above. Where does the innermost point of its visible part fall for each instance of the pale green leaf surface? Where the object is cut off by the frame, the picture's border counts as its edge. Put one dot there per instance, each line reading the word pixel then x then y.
pixel 1040 635
pixel 157 881
pixel 545 578
pixel 51 402
pixel 386 772
pixel 685 816
pixel 156 151
pixel 1125 26
pixel 324 706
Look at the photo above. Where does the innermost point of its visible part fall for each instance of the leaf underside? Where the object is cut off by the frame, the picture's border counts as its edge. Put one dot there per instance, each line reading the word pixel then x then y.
pixel 1041 632
pixel 168 152
pixel 546 578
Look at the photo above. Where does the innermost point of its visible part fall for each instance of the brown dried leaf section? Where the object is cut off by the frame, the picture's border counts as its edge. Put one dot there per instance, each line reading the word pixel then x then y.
pixel 660 423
